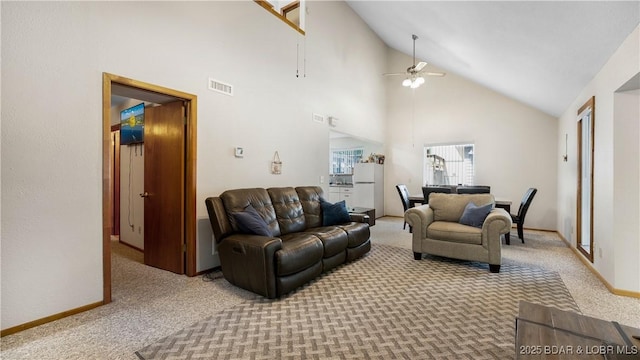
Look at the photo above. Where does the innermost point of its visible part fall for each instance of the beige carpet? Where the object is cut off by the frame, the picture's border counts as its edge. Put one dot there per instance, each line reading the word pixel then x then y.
pixel 150 304
pixel 385 305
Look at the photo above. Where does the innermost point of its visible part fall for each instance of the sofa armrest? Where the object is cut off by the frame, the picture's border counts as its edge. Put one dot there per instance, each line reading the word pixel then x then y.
pixel 361 218
pixel 248 261
pixel 419 217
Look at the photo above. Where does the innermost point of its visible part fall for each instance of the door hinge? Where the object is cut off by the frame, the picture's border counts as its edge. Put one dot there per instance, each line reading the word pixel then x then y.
pixel 184 248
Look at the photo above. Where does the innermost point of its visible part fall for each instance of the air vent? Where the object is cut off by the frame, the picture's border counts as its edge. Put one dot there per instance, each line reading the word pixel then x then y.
pixel 220 87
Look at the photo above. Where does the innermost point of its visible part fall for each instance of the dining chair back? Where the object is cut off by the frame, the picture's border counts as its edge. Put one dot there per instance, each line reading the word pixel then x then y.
pixel 404 197
pixel 473 189
pixel 522 211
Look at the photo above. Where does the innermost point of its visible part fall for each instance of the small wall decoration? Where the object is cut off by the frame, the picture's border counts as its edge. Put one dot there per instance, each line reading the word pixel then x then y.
pixel 132 125
pixel 276 164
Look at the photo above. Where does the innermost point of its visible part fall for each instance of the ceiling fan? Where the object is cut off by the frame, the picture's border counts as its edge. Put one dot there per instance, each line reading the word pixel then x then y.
pixel 414 74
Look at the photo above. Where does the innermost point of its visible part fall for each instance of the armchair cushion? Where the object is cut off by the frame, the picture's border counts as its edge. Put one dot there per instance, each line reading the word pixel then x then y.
pixel 454 232
pixel 250 222
pixel 334 214
pixel 474 215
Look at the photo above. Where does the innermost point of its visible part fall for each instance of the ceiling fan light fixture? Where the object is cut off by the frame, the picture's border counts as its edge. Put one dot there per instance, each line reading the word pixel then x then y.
pixel 406 82
pixel 415 84
pixel 420 80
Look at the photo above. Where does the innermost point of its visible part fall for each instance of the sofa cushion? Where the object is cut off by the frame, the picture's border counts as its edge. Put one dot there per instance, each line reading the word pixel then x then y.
pixel 454 232
pixel 250 222
pixel 474 215
pixel 449 207
pixel 310 199
pixel 334 214
pixel 288 209
pixel 357 233
pixel 334 239
pixel 238 199
pixel 299 251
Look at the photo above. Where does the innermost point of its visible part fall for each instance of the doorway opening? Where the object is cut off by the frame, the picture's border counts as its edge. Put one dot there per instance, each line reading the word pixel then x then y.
pixel 114 85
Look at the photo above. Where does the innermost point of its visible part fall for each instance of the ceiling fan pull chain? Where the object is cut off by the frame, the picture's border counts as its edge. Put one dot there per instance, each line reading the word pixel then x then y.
pixel 297 58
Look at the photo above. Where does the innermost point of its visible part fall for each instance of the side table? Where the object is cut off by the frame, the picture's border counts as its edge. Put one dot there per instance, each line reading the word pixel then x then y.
pixel 368 211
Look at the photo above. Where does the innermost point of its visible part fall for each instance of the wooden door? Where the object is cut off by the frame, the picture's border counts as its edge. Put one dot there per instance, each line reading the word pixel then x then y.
pixel 164 147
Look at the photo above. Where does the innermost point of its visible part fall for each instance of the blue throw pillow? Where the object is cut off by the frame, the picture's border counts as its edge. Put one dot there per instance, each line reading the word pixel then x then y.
pixel 474 215
pixel 250 222
pixel 334 214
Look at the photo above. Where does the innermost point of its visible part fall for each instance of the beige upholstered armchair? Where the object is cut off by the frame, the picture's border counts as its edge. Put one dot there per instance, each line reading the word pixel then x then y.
pixel 446 228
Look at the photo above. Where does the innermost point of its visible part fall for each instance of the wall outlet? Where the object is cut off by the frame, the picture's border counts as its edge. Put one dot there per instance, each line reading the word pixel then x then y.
pixel 321 179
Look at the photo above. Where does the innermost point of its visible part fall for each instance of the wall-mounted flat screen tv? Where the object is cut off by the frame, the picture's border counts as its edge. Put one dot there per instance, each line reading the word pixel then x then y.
pixel 132 125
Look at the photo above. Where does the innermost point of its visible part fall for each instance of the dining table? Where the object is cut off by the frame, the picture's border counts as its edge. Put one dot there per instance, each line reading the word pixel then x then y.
pixel 503 203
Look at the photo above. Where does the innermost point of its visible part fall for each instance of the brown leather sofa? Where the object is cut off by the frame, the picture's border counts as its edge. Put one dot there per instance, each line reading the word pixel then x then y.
pixel 299 248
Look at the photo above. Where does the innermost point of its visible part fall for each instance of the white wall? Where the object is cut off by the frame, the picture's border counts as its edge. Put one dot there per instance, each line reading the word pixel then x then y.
pixel 626 192
pixel 53 57
pixel 618 271
pixel 515 145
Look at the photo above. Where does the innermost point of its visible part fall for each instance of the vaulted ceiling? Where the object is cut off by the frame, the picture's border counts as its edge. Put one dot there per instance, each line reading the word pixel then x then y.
pixel 542 53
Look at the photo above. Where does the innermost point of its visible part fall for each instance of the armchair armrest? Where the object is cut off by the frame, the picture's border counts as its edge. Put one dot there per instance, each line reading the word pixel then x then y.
pixel 498 222
pixel 248 262
pixel 419 217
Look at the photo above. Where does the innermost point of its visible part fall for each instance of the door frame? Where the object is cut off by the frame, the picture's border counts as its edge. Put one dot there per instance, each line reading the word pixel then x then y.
pixel 189 173
pixel 591 106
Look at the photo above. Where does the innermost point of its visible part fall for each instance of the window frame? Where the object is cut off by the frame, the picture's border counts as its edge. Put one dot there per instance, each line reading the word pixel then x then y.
pixel 269 7
pixel 460 179
pixel 352 162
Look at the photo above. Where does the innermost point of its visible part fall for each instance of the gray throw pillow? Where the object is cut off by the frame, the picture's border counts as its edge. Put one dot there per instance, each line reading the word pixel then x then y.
pixel 474 215
pixel 250 222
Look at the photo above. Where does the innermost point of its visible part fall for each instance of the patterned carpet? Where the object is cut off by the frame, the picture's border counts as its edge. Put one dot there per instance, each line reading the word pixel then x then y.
pixel 385 305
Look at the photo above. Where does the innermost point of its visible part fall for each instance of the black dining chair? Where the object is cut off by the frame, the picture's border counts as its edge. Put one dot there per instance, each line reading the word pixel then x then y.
pixel 522 211
pixel 473 189
pixel 426 190
pixel 404 196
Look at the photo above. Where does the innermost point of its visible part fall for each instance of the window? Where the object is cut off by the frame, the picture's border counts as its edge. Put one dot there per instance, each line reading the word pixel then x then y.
pixel 343 160
pixel 449 164
pixel 288 11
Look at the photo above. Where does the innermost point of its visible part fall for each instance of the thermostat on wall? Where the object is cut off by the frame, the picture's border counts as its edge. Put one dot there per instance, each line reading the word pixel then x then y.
pixel 239 152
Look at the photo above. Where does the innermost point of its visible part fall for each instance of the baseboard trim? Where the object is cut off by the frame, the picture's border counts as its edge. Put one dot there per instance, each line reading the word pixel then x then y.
pixel 215 268
pixel 64 314
pixel 589 265
pixel 131 246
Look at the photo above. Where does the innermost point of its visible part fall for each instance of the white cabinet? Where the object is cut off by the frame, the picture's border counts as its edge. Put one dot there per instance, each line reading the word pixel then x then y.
pixel 338 193
pixel 334 195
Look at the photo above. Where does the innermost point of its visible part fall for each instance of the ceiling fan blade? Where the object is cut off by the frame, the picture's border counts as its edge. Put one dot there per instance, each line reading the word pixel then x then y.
pixel 434 74
pixel 393 74
pixel 420 66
